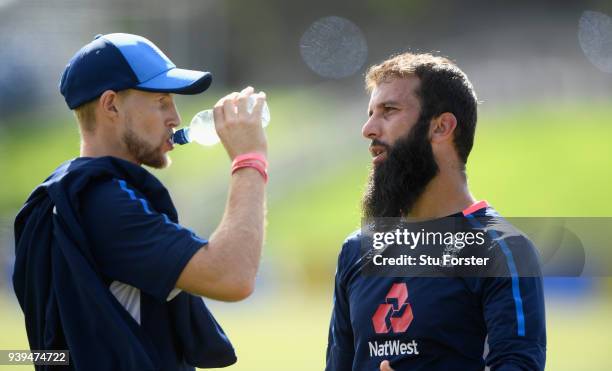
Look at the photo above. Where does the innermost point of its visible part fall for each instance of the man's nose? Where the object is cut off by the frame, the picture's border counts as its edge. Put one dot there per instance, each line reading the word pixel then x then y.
pixel 370 129
pixel 174 120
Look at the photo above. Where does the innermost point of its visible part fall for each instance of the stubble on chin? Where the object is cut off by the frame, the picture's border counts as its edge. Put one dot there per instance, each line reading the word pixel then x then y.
pixel 144 153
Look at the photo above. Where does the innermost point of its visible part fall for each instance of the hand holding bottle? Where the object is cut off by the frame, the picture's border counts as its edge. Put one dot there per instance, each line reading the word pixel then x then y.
pixel 241 131
pixel 202 126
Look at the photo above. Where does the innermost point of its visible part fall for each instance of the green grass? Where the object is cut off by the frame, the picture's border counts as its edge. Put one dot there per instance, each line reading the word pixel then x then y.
pixel 288 330
pixel 545 161
pixel 527 161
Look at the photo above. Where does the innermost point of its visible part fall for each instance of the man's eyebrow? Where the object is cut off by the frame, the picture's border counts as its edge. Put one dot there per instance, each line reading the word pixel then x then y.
pixel 389 103
pixel 383 104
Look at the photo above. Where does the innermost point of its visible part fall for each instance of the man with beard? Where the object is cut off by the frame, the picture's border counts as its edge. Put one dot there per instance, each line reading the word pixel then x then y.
pixel 103 268
pixel 422 120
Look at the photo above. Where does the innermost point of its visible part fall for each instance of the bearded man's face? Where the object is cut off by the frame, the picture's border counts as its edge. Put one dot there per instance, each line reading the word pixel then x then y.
pixel 403 160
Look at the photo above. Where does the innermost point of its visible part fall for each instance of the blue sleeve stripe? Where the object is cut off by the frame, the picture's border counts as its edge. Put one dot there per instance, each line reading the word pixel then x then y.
pixel 132 195
pixel 516 292
pixel 198 239
pixel 168 221
pixel 145 206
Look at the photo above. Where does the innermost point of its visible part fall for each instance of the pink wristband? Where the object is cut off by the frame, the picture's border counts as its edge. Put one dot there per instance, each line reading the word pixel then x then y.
pixel 251 156
pixel 254 160
pixel 255 165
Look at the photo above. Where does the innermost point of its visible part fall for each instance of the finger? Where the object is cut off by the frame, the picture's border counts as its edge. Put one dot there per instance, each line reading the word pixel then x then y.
pixel 229 107
pixel 230 97
pixel 260 99
pixel 218 115
pixel 243 101
pixel 385 366
pixel 218 110
pixel 247 91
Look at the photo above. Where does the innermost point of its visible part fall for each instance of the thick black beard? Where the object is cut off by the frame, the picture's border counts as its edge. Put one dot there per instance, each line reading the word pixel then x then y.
pixel 395 185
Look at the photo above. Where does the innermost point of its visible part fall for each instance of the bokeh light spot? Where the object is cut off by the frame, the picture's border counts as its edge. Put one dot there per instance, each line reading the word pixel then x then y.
pixel 333 47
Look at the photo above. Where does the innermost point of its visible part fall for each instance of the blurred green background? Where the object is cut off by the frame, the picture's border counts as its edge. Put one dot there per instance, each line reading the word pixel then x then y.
pixel 542 147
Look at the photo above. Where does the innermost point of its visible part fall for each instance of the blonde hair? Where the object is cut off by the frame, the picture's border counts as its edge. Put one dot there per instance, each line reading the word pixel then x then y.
pixel 86 115
pixel 86 112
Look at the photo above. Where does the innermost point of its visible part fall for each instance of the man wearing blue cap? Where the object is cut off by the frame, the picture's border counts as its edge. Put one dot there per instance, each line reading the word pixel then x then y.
pixel 103 268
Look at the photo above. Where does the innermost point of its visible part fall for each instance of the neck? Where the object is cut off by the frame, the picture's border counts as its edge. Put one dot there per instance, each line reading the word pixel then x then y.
pixel 446 194
pixel 96 146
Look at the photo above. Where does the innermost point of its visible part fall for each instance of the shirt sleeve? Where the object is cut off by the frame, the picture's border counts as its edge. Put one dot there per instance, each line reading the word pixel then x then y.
pixel 340 345
pixel 132 242
pixel 514 313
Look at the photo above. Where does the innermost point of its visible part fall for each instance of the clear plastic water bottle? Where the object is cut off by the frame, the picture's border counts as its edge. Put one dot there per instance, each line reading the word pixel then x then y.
pixel 202 126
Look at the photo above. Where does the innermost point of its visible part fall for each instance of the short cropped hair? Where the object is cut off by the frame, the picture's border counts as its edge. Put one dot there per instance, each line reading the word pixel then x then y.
pixel 443 88
pixel 86 112
pixel 86 115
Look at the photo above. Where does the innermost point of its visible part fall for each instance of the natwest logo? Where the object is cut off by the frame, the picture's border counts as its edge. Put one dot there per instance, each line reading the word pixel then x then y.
pixel 396 313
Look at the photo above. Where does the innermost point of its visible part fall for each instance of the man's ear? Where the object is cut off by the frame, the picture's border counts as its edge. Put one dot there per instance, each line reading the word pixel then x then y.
pixel 109 101
pixel 443 127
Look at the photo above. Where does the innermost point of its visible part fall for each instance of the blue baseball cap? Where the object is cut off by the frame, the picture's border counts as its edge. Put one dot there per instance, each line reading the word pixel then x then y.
pixel 120 61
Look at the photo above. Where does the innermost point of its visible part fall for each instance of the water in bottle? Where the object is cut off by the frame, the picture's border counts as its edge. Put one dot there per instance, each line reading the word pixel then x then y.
pixel 202 126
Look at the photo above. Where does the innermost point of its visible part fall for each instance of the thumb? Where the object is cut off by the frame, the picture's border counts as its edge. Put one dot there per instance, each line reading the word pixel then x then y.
pixel 385 366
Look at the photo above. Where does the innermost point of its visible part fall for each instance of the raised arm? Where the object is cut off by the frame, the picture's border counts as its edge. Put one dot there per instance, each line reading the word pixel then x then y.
pixel 225 268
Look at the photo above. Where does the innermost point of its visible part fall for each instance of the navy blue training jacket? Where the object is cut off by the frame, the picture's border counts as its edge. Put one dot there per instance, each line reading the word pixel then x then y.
pixel 102 230
pixel 439 323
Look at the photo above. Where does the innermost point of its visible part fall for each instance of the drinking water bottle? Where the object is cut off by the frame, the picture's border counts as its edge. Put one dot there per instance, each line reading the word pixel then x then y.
pixel 202 126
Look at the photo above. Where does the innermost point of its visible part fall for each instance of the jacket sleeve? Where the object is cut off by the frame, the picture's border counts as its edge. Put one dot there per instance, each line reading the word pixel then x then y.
pixel 514 313
pixel 340 347
pixel 132 242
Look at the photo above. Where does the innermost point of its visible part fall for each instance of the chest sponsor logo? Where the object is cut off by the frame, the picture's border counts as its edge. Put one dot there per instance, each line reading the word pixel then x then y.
pixel 392 348
pixel 395 315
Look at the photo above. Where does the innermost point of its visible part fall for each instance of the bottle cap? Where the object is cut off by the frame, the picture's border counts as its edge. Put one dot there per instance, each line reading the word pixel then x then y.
pixel 180 137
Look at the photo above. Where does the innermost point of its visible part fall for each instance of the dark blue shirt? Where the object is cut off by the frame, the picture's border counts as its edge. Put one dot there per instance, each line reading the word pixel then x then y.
pixel 140 254
pixel 435 323
pixel 98 251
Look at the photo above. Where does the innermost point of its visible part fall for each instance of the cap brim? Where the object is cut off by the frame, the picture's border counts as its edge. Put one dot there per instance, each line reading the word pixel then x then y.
pixel 179 81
